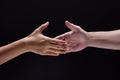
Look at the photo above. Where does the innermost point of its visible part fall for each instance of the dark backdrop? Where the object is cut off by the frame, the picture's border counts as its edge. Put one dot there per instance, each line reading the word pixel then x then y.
pixel 18 18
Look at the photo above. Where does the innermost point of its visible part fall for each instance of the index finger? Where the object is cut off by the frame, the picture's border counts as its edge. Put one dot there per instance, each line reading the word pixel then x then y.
pixel 57 41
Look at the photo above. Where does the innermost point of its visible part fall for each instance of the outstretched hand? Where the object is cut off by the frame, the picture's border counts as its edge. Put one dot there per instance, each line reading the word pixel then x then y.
pixel 77 38
pixel 43 45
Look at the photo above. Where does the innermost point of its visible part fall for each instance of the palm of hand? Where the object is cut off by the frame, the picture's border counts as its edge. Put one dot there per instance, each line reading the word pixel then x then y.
pixel 76 39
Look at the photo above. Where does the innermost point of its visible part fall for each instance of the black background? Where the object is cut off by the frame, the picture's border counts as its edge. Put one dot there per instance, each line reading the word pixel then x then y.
pixel 18 18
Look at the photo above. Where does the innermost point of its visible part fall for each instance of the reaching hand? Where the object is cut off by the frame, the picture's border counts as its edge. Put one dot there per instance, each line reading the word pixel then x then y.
pixel 43 45
pixel 77 38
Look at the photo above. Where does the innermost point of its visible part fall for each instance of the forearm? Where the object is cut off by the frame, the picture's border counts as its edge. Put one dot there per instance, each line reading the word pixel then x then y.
pixel 107 39
pixel 12 50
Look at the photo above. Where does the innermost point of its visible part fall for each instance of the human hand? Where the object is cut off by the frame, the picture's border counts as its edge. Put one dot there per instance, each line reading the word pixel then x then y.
pixel 43 45
pixel 77 39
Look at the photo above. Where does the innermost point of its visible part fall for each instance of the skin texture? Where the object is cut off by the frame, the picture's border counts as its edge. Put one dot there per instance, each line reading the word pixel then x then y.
pixel 77 38
pixel 36 42
pixel 105 39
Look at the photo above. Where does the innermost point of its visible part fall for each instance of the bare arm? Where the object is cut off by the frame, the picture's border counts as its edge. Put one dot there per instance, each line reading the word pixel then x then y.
pixel 78 39
pixel 12 50
pixel 36 42
pixel 105 39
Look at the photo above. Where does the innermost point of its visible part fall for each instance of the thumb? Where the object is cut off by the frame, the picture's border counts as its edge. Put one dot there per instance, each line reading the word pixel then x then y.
pixel 71 26
pixel 42 27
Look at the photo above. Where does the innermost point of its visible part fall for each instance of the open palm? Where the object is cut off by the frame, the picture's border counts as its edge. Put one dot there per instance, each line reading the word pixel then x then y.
pixel 77 38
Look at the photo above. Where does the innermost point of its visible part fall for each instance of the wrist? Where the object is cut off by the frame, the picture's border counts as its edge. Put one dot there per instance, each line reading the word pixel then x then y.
pixel 91 39
pixel 25 44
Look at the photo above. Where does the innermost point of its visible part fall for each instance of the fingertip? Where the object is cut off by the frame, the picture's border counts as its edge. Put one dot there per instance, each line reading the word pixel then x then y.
pixel 56 54
pixel 63 42
pixel 68 24
pixel 66 21
pixel 58 37
pixel 46 23
pixel 58 40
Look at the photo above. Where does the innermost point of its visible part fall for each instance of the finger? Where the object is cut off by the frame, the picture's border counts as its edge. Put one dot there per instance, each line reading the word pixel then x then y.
pixel 57 51
pixel 52 51
pixel 59 46
pixel 42 27
pixel 71 26
pixel 48 53
pixel 63 36
pixel 52 54
pixel 60 37
pixel 56 47
pixel 57 42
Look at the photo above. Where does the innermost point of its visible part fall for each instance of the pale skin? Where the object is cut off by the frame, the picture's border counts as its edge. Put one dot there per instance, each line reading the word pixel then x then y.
pixel 78 39
pixel 36 42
